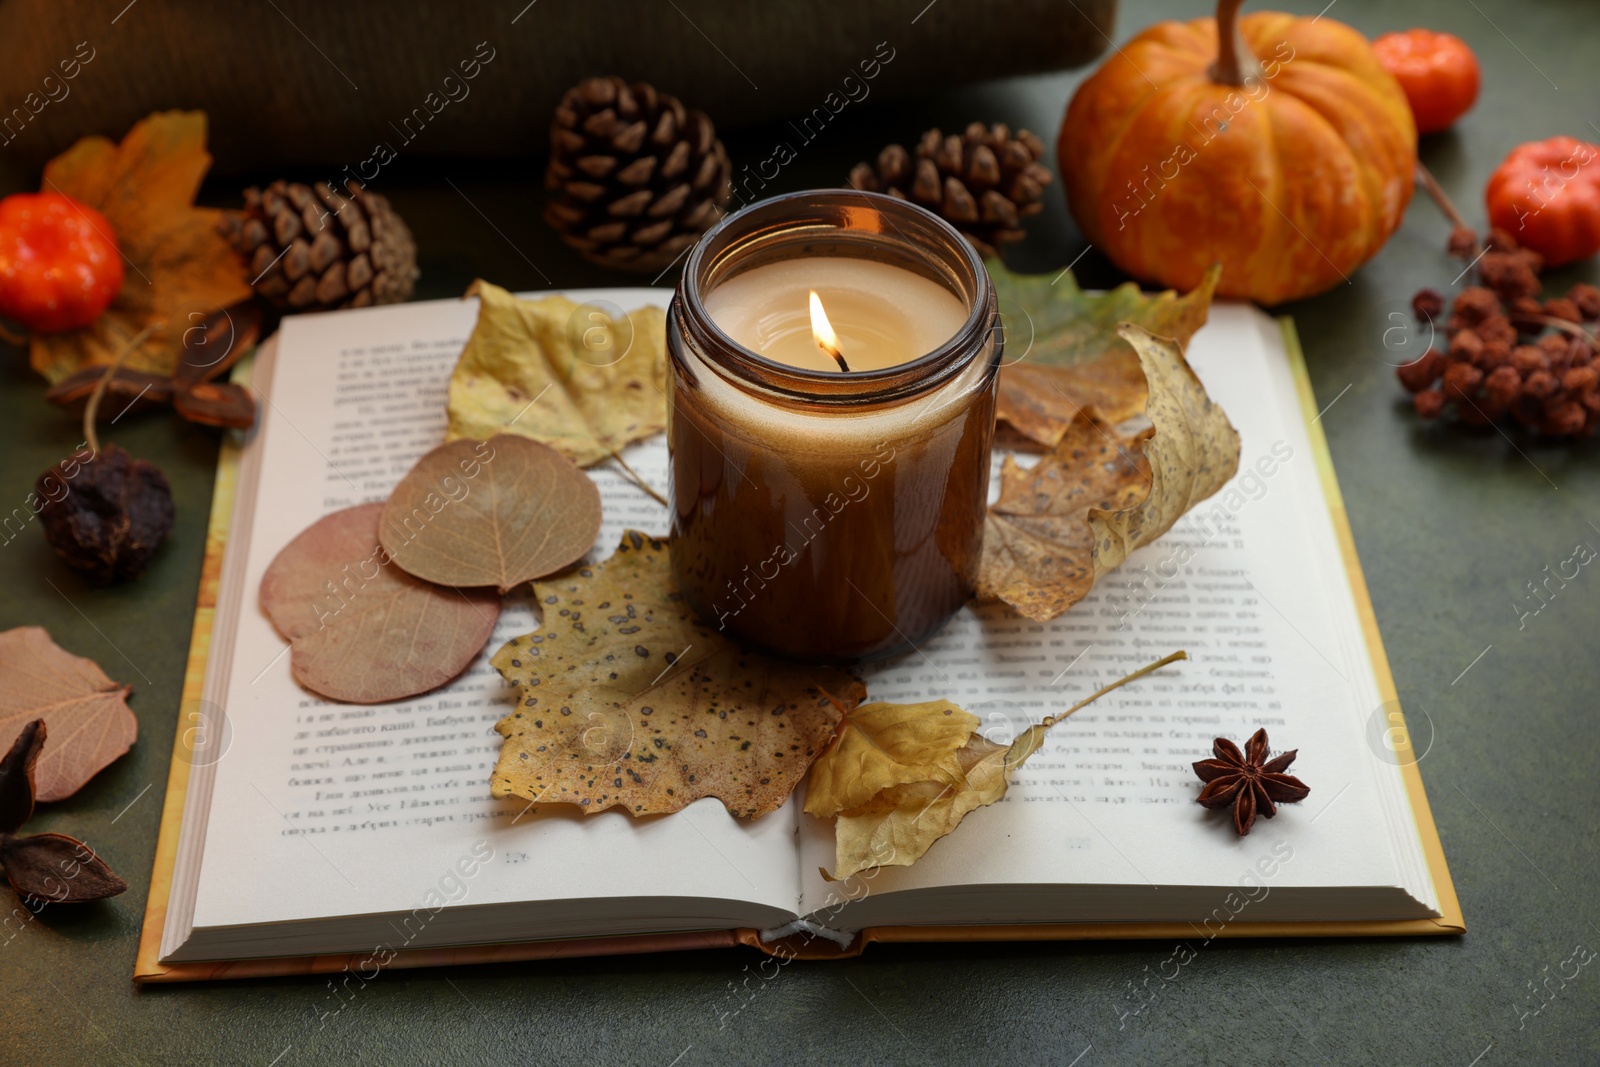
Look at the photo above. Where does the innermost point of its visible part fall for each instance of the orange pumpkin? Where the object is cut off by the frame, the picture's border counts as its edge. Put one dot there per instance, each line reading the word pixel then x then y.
pixel 1286 152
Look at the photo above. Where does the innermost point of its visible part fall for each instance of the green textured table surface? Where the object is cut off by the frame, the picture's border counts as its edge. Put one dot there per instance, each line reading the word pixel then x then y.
pixel 1450 526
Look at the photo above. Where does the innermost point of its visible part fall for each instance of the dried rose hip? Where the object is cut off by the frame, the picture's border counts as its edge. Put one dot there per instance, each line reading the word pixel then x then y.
pixel 59 264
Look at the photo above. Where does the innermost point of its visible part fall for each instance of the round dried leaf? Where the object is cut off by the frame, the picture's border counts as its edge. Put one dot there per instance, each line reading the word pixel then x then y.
pixel 498 512
pixel 362 630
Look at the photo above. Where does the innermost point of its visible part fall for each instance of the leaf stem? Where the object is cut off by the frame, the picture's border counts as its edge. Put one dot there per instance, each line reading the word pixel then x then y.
pixel 633 476
pixel 1135 676
pixel 93 406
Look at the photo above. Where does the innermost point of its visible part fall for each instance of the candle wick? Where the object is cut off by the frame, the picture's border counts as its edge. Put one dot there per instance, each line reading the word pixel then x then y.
pixel 837 355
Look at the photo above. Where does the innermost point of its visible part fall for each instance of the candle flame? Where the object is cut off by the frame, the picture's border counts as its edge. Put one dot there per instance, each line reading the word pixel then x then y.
pixel 822 331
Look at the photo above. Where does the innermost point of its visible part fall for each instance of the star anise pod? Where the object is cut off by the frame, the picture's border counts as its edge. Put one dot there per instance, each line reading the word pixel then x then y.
pixel 44 868
pixel 1253 787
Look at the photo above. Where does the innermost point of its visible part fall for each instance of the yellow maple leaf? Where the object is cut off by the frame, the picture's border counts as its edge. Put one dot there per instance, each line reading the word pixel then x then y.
pixel 179 269
pixel 628 699
pixel 906 813
pixel 571 376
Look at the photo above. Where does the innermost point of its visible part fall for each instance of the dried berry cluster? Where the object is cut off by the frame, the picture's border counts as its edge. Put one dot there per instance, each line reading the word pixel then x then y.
pixel 1509 352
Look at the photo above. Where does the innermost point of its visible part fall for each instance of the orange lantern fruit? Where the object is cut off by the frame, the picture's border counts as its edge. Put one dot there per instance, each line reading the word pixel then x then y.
pixel 1279 147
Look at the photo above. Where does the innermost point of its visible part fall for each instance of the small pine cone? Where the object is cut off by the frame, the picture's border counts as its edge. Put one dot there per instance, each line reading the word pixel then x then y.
pixel 635 176
pixel 985 183
pixel 314 248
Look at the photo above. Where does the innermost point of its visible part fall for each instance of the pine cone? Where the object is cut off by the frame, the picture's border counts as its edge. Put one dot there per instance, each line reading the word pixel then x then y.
pixel 636 177
pixel 983 183
pixel 315 249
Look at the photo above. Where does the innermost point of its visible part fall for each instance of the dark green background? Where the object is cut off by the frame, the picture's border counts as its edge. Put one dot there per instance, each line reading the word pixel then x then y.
pixel 1450 525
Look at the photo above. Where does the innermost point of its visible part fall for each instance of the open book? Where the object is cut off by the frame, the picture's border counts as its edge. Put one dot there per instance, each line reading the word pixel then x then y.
pixel 296 828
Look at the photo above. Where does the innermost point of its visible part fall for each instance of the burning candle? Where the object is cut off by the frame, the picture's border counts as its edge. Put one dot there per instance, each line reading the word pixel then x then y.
pixel 834 360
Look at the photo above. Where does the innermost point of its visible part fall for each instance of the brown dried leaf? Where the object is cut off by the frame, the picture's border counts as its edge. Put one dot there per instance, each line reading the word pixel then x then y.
pixel 84 711
pixel 905 814
pixel 362 630
pixel 1075 358
pixel 571 376
pixel 498 512
pixel 628 698
pixel 178 265
pixel 1100 494
pixel 57 869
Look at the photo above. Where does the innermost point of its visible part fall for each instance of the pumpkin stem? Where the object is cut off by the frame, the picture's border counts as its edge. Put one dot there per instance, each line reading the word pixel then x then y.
pixel 1235 64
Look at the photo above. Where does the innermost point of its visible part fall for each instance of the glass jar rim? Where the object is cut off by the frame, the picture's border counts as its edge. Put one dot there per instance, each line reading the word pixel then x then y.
pixel 805 213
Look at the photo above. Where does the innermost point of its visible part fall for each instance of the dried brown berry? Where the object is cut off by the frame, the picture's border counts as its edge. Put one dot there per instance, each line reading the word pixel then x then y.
pixel 1503 386
pixel 1509 274
pixel 1562 308
pixel 1529 358
pixel 1463 242
pixel 1422 371
pixel 1476 304
pixel 1466 345
pixel 1429 403
pixel 114 514
pixel 1427 305
pixel 1501 241
pixel 1497 329
pixel 1586 298
pixel 1526 315
pixel 1461 380
pixel 1541 384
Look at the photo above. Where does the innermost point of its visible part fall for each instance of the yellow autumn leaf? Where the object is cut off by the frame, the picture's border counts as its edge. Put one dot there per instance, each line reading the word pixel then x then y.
pixel 571 376
pixel 627 698
pixel 179 269
pixel 904 817
pixel 881 745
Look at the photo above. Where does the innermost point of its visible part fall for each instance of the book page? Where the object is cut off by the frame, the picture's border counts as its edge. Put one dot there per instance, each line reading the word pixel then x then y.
pixel 1249 584
pixel 322 809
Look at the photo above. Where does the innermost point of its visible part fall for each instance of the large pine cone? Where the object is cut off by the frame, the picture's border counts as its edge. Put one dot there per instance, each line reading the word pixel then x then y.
pixel 636 177
pixel 315 249
pixel 983 183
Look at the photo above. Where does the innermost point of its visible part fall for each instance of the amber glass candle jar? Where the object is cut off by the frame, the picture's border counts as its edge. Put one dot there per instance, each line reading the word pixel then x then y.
pixel 818 512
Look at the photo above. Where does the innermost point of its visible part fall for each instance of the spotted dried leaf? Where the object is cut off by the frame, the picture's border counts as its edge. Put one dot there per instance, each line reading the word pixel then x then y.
pixel 498 512
pixel 573 376
pixel 86 712
pixel 1103 491
pixel 360 629
pixel 1067 355
pixel 180 270
pixel 628 699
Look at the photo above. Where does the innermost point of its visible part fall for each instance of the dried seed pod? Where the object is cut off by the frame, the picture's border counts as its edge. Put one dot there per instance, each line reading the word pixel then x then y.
pixel 115 513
